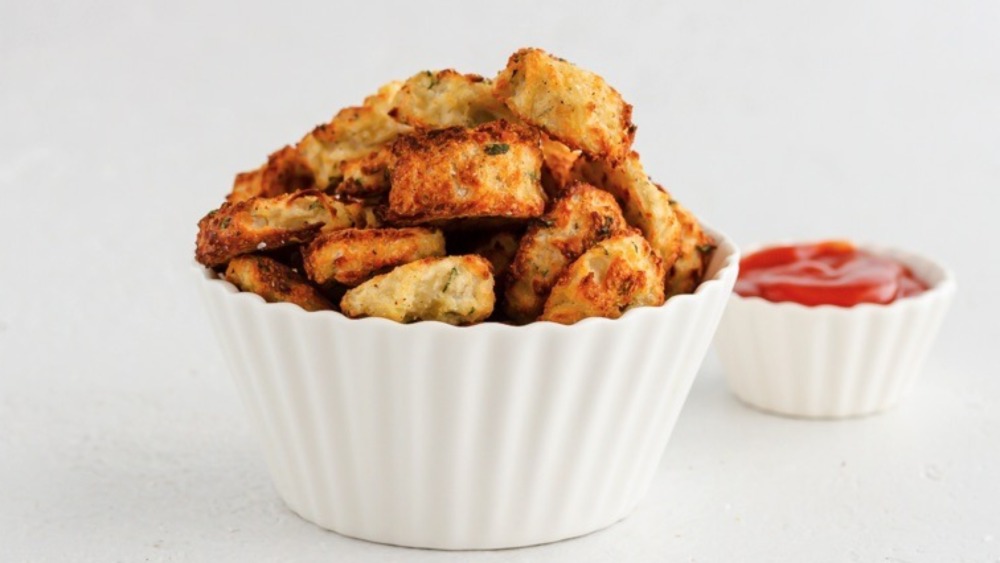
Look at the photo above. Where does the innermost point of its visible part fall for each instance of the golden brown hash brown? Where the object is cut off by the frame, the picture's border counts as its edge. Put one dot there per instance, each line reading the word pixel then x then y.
pixel 285 171
pixel 351 256
pixel 352 134
pixel 646 205
pixel 368 176
pixel 275 282
pixel 458 198
pixel 456 290
pixel 492 171
pixel 580 219
pixel 612 277
pixel 436 100
pixel 573 105
pixel 316 161
pixel 695 253
pixel 268 223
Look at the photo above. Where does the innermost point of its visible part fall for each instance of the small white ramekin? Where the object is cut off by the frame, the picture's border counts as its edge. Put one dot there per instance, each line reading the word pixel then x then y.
pixel 480 437
pixel 827 361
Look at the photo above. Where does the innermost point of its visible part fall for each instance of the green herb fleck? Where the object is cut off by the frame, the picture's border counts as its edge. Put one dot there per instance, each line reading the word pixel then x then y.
pixel 434 79
pixel 494 149
pixel 225 222
pixel 451 276
pixel 706 248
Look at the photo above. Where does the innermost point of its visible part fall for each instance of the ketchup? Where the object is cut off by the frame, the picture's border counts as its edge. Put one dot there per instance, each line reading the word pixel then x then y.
pixel 825 273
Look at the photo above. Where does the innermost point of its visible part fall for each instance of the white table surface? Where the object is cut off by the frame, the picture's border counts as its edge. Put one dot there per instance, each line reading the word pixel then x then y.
pixel 121 437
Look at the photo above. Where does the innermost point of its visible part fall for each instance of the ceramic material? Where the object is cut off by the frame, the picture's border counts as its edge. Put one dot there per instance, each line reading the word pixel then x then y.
pixel 488 436
pixel 832 362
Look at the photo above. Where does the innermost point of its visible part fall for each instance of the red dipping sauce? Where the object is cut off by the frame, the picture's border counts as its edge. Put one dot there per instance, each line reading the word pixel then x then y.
pixel 825 273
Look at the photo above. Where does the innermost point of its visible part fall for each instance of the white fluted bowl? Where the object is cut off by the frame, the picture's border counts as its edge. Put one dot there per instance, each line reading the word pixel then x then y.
pixel 480 437
pixel 827 361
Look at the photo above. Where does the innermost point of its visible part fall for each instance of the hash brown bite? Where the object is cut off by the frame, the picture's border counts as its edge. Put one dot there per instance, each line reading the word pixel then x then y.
pixel 612 277
pixel 446 98
pixel 646 205
pixel 285 171
pixel 275 282
pixel 366 177
pixel 269 223
pixel 696 248
pixel 352 134
pixel 456 290
pixel 569 103
pixel 490 171
pixel 351 256
pixel 577 221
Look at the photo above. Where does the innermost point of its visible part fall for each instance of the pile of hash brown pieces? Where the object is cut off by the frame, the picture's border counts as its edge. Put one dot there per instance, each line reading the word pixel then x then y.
pixel 456 198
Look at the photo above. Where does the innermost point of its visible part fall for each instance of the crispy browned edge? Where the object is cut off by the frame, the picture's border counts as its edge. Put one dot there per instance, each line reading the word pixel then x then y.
pixel 612 297
pixel 221 234
pixel 275 282
pixel 368 176
pixel 420 146
pixel 361 237
pixel 285 171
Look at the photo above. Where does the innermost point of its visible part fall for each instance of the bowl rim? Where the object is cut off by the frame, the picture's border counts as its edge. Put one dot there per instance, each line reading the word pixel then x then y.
pixel 944 285
pixel 725 259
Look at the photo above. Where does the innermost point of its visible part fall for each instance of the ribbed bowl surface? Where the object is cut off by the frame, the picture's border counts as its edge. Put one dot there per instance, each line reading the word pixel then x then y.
pixel 480 437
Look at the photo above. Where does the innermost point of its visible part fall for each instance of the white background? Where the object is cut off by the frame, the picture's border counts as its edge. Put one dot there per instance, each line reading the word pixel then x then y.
pixel 121 438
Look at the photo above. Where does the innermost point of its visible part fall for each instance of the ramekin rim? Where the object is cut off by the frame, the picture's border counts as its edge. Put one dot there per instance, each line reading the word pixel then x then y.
pixel 729 268
pixel 942 288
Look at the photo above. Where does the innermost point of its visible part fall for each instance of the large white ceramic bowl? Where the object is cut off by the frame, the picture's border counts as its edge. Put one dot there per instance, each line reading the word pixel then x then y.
pixel 479 437
pixel 827 361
